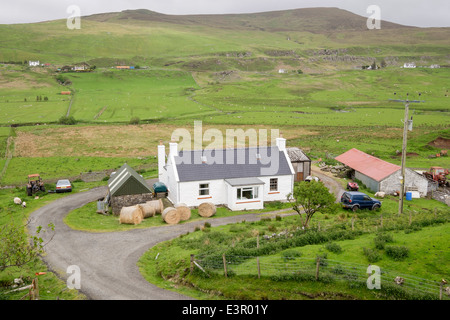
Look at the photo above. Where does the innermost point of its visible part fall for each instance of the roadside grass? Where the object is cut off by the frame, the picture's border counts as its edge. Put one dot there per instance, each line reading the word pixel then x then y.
pixel 167 263
pixel 50 286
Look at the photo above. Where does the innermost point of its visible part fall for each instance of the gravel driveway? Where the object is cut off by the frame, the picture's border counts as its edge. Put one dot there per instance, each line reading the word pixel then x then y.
pixel 107 261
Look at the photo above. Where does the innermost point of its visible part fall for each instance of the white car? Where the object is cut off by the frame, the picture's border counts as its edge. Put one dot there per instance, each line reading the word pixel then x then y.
pixel 63 186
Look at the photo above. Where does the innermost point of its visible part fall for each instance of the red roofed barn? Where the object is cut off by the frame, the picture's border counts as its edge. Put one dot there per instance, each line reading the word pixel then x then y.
pixel 379 175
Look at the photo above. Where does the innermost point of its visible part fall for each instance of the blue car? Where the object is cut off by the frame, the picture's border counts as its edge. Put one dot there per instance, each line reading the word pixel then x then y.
pixel 357 200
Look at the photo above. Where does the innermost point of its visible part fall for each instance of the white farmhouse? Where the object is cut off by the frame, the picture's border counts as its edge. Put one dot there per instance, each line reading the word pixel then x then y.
pixel 240 179
pixel 409 65
pixel 33 63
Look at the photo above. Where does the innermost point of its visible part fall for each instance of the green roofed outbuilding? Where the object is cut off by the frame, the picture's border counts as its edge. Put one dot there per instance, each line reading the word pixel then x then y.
pixel 127 188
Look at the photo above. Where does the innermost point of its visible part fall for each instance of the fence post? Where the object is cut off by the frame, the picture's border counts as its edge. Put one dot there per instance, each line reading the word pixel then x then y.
pixel 259 268
pixel 225 265
pixel 192 263
pixel 317 268
pixel 353 223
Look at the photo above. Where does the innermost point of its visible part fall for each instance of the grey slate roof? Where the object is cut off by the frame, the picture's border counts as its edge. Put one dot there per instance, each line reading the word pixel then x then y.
pixel 296 154
pixel 231 163
pixel 126 181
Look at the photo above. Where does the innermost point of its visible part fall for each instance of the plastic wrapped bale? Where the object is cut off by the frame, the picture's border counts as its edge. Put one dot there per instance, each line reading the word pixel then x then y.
pixel 131 215
pixel 147 210
pixel 207 209
pixel 184 210
pixel 157 204
pixel 171 215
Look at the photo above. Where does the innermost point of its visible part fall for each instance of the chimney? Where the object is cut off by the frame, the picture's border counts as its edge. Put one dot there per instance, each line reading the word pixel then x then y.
pixel 173 148
pixel 161 159
pixel 281 143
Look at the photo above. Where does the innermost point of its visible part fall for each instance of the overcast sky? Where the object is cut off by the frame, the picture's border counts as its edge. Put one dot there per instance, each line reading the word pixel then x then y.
pixel 421 13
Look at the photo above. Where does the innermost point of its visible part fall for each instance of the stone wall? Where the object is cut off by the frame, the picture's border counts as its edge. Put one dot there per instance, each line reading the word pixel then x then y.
pixel 117 203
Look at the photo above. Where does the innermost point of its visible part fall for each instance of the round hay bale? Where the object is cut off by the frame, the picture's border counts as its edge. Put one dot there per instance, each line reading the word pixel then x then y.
pixel 171 215
pixel 207 209
pixel 147 210
pixel 157 204
pixel 131 215
pixel 184 210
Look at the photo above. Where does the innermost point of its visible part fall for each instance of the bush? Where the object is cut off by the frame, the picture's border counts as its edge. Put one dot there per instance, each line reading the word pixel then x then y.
pixel 372 255
pixel 290 255
pixel 381 239
pixel 333 247
pixel 135 120
pixel 397 253
pixel 70 120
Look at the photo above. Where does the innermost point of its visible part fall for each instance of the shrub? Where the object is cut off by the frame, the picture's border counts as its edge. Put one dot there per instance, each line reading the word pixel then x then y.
pixel 381 239
pixel 70 120
pixel 290 255
pixel 372 255
pixel 333 247
pixel 397 253
pixel 135 120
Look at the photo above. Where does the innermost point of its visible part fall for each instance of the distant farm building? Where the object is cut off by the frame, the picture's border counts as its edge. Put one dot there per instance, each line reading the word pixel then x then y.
pixel 379 175
pixel 125 67
pixel 410 65
pixel 33 63
pixel 66 92
pixel 282 71
pixel 127 188
pixel 81 67
pixel 300 162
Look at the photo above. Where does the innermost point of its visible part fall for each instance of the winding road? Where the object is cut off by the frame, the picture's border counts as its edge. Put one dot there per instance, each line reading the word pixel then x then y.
pixel 107 261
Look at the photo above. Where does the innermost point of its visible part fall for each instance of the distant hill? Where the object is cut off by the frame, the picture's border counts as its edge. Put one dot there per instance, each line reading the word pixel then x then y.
pixel 315 38
pixel 315 20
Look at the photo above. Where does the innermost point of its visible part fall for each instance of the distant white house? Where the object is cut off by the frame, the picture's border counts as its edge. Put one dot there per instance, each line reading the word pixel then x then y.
pixel 282 71
pixel 410 65
pixel 435 66
pixel 240 178
pixel 33 63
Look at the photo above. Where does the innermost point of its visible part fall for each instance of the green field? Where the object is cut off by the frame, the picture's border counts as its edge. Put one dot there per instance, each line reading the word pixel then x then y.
pixel 224 71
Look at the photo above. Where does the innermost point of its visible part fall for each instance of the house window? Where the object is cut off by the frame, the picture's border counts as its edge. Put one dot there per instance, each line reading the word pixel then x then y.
pixel 274 184
pixel 247 193
pixel 203 189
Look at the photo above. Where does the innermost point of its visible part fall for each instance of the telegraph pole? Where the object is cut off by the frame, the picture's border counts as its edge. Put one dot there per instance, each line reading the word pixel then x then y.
pixel 405 140
pixel 407 126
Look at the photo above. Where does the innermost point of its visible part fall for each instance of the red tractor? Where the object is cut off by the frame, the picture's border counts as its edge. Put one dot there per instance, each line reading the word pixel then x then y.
pixel 34 184
pixel 439 175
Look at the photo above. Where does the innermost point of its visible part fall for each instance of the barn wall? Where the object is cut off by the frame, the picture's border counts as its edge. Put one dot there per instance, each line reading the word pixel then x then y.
pixel 117 203
pixel 392 183
pixel 367 181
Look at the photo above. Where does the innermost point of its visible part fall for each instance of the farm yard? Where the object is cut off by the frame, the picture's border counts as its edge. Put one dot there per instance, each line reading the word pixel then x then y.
pixel 84 126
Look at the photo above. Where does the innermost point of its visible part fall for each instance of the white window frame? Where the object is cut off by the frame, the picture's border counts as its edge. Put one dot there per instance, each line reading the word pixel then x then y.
pixel 254 189
pixel 203 189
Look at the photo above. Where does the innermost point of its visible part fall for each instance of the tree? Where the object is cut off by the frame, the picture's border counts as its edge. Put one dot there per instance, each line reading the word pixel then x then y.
pixel 311 197
pixel 16 249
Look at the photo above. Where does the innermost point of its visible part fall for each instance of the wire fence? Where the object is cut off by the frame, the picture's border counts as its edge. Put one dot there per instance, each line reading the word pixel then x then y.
pixel 283 268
